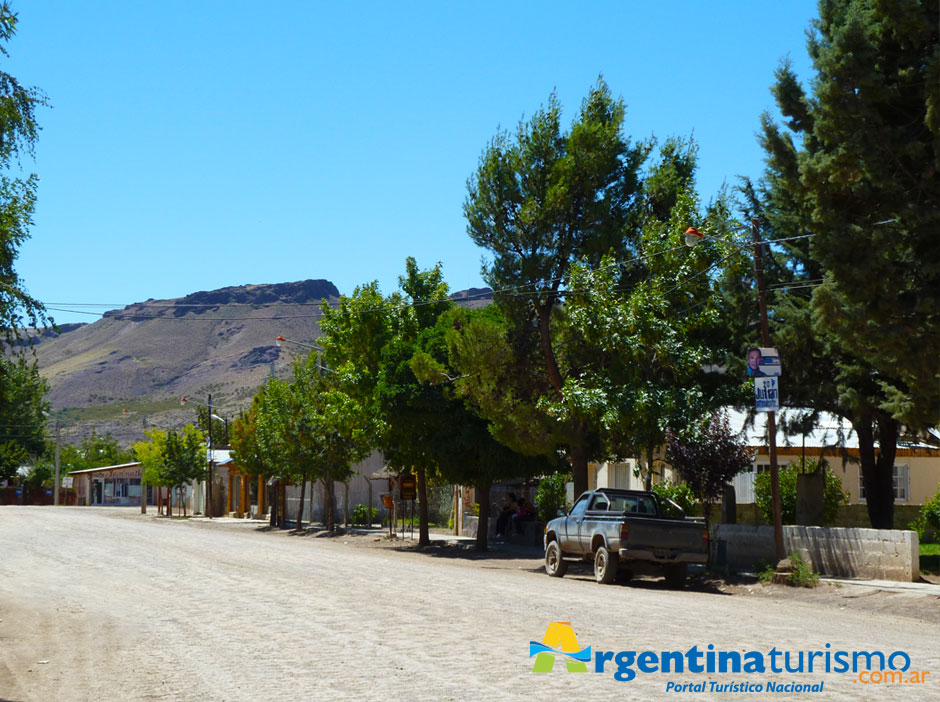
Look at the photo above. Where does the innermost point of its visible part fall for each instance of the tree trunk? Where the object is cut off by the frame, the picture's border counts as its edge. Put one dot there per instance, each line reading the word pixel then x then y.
pixel 483 523
pixel 877 470
pixel 551 363
pixel 424 538
pixel 274 504
pixel 300 508
pixel 328 504
pixel 649 467
pixel 579 468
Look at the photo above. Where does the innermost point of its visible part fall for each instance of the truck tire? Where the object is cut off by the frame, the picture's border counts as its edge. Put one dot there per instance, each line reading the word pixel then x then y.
pixel 555 565
pixel 676 574
pixel 605 565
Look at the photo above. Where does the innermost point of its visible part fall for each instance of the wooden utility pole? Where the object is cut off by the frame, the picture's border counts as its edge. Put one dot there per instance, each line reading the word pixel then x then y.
pixel 771 416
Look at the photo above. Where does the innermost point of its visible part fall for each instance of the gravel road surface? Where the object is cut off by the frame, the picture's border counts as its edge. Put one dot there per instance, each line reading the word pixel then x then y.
pixel 106 604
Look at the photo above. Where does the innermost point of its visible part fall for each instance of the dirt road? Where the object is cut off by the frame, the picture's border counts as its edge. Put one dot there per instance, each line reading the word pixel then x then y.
pixel 101 604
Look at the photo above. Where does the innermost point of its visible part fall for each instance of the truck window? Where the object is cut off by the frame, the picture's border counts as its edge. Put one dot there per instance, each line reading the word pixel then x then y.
pixel 599 503
pixel 633 504
pixel 579 507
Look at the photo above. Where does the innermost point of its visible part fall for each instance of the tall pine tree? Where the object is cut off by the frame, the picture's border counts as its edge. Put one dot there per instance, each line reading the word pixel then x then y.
pixel 856 165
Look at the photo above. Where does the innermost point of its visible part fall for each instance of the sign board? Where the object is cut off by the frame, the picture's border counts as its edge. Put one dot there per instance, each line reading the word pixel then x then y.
pixel 766 394
pixel 763 362
pixel 48 492
pixel 409 487
pixel 67 481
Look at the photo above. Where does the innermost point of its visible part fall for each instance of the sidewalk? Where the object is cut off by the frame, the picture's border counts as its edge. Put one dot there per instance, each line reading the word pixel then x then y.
pixel 919 588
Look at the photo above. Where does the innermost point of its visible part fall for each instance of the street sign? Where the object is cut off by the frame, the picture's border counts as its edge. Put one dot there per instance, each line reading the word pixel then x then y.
pixel 67 481
pixel 766 394
pixel 408 487
pixel 763 362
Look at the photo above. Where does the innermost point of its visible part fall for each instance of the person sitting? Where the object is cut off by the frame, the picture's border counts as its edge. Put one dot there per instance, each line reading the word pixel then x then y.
pixel 525 513
pixel 509 510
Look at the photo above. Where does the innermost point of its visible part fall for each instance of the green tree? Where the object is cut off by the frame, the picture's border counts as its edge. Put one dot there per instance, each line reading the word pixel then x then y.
pixel 855 166
pixel 457 440
pixel 255 444
pixel 19 132
pixel 21 388
pixel 173 459
pixel 22 408
pixel 370 341
pixel 184 460
pixel 93 451
pixel 539 201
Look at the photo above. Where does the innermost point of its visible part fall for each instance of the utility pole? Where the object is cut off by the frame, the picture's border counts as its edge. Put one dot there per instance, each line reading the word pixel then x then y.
pixel 771 416
pixel 209 481
pixel 58 445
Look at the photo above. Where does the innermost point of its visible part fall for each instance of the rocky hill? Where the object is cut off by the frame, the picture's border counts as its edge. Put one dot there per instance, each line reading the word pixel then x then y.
pixel 128 370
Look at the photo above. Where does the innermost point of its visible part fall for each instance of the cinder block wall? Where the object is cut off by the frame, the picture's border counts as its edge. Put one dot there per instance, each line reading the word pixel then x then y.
pixel 878 554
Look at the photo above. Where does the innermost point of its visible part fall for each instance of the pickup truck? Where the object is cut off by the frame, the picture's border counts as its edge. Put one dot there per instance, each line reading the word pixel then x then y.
pixel 625 531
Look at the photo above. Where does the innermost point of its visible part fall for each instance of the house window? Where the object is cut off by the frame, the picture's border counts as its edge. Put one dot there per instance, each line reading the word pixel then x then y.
pixel 900 482
pixel 765 467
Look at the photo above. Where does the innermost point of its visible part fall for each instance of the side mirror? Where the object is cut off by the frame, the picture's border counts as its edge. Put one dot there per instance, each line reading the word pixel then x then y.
pixel 561 513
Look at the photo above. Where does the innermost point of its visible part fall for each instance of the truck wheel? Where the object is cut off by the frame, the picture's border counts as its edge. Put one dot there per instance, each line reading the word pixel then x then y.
pixel 676 574
pixel 555 565
pixel 605 565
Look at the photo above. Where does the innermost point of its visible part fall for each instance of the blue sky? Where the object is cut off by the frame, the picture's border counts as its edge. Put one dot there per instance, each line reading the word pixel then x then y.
pixel 195 145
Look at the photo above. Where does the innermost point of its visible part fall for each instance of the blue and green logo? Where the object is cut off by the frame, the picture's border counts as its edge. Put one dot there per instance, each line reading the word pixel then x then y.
pixel 559 640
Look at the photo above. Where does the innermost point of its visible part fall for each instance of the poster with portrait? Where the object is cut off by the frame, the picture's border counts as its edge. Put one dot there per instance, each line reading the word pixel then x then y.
pixel 763 362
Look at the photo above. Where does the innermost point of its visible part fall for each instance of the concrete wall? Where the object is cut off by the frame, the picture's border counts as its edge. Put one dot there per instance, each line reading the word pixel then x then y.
pixel 847 516
pixel 850 553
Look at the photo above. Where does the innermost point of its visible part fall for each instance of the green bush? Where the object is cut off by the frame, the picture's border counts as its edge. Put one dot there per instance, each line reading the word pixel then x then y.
pixel 833 496
pixel 680 493
pixel 550 496
pixel 929 516
pixel 802 574
pixel 361 516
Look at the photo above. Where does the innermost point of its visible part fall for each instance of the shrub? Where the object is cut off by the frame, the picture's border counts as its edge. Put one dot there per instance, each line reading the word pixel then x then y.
pixel 361 515
pixel 833 496
pixel 802 574
pixel 680 493
pixel 550 496
pixel 929 516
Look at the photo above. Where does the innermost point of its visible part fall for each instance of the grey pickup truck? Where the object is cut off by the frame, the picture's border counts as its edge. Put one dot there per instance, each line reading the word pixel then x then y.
pixel 625 531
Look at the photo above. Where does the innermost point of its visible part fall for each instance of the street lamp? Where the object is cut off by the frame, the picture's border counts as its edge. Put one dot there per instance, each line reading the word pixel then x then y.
pixel 692 237
pixel 280 341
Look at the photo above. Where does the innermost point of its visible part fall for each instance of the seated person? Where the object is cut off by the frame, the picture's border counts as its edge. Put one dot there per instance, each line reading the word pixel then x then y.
pixel 509 509
pixel 525 513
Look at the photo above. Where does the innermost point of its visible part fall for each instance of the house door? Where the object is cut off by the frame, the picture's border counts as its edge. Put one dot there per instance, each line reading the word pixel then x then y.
pixel 99 497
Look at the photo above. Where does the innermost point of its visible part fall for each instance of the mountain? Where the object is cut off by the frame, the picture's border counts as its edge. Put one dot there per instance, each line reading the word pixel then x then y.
pixel 128 370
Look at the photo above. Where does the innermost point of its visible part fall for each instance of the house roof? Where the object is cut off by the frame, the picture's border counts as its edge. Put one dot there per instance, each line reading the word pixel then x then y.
pixel 829 430
pixel 220 456
pixel 104 468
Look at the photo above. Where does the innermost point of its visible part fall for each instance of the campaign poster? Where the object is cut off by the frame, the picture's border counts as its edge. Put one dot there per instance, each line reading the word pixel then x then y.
pixel 766 394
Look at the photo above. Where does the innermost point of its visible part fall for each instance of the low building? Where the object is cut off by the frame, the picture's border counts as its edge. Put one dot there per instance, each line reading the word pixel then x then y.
pixel 110 485
pixel 916 465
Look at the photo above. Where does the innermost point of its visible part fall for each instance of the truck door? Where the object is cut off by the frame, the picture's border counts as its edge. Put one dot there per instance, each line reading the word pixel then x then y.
pixel 571 538
pixel 591 522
